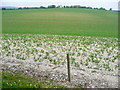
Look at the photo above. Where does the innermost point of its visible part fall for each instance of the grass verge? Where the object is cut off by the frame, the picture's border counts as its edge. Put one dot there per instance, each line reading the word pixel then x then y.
pixel 19 80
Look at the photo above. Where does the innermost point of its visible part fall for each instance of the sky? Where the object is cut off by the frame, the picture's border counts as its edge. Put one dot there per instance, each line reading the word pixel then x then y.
pixel 36 3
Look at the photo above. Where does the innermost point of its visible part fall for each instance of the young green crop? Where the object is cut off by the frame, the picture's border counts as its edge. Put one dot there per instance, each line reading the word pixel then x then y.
pixel 52 49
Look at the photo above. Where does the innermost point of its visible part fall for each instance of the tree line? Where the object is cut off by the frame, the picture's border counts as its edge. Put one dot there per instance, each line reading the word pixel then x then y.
pixel 54 6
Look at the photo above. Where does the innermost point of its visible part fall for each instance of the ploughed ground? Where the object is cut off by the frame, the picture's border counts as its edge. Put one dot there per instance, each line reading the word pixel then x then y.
pixel 80 76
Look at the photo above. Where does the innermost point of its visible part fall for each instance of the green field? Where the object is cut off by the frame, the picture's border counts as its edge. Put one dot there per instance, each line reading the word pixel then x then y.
pixel 61 21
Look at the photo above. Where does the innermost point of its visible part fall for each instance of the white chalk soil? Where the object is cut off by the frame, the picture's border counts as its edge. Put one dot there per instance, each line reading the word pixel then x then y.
pixel 80 76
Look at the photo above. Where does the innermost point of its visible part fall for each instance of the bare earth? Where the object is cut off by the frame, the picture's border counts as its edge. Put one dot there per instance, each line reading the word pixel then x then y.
pixel 80 77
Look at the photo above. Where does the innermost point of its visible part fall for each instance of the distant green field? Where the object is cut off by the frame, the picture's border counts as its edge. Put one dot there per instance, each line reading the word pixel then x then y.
pixel 81 22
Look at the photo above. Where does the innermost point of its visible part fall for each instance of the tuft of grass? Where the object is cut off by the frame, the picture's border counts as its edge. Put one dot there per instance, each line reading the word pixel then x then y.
pixel 19 80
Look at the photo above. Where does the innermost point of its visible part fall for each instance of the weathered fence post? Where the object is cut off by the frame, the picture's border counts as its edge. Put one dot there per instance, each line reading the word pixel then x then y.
pixel 68 66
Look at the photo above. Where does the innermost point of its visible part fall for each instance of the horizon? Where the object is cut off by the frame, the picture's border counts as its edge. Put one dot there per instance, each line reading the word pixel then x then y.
pixel 107 4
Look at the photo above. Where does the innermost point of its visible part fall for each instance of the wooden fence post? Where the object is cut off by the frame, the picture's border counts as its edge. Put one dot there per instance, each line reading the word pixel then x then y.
pixel 68 66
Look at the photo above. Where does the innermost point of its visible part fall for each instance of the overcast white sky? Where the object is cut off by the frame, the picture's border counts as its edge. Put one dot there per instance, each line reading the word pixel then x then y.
pixel 93 3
